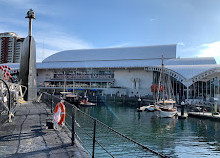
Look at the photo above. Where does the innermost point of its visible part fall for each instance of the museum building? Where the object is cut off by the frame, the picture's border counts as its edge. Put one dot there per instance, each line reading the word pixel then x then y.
pixel 128 71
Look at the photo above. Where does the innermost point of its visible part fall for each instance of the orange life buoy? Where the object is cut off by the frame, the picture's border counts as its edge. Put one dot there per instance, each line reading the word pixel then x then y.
pixel 60 111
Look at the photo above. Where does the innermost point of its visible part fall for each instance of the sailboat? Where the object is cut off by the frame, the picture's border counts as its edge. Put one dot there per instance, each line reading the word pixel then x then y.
pixel 165 103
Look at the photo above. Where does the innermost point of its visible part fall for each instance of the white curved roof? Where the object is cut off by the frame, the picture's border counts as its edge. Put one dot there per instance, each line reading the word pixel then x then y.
pixel 188 62
pixel 190 71
pixel 187 67
pixel 126 53
pixel 191 61
pixel 133 57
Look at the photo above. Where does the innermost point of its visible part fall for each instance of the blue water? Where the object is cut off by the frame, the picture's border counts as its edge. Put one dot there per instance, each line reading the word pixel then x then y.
pixel 191 137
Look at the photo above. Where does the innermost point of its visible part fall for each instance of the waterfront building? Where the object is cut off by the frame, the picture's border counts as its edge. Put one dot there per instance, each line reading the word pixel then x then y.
pixel 10 47
pixel 128 71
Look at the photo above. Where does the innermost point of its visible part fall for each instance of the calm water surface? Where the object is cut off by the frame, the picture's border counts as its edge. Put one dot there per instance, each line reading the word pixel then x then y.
pixel 177 138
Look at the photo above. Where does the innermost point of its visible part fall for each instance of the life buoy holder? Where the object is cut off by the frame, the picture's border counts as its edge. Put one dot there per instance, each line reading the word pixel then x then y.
pixel 59 113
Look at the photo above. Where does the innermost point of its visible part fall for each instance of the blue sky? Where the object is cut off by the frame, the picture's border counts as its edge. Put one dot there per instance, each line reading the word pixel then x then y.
pixel 194 25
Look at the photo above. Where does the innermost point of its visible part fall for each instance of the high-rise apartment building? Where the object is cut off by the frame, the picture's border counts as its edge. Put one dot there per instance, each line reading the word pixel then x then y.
pixel 10 47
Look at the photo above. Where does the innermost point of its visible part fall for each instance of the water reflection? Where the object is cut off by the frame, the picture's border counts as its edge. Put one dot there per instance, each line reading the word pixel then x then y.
pixel 177 138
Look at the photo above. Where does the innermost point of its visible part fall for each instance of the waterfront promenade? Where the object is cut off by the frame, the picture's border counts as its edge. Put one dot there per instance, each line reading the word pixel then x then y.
pixel 27 136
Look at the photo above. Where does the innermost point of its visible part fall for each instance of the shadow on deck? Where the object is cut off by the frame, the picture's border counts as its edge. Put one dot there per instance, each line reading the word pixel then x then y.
pixel 27 136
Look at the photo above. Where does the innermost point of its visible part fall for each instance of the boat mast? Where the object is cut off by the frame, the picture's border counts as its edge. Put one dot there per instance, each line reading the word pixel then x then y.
pixel 64 86
pixel 162 73
pixel 158 88
pixel 154 83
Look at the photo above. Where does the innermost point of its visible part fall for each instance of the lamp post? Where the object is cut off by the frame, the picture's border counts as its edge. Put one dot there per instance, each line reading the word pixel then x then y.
pixel 30 16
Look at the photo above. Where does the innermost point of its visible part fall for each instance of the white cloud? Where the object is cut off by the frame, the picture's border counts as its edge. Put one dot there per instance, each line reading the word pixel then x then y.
pixel 119 45
pixel 203 50
pixel 36 5
pixel 53 42
pixel 49 39
pixel 43 53
pixel 209 50
pixel 152 19
pixel 12 21
pixel 61 41
pixel 181 44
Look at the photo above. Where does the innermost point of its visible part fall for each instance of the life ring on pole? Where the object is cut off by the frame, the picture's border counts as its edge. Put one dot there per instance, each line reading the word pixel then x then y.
pixel 59 113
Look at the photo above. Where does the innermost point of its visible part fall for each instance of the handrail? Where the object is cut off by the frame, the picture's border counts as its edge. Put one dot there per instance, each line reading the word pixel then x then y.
pixel 77 112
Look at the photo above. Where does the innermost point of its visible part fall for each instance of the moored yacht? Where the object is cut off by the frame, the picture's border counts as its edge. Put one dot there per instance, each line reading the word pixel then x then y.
pixel 166 109
pixel 165 105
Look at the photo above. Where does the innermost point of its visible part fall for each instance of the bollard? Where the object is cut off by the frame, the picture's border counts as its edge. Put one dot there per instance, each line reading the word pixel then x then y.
pixel 182 109
pixel 215 108
pixel 139 102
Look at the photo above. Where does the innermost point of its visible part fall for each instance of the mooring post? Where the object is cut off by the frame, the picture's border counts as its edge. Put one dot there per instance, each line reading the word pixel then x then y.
pixel 182 108
pixel 93 144
pixel 139 102
pixel 73 125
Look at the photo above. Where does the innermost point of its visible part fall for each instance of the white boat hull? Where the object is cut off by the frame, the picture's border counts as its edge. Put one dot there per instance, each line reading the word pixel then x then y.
pixel 144 108
pixel 141 109
pixel 150 108
pixel 166 114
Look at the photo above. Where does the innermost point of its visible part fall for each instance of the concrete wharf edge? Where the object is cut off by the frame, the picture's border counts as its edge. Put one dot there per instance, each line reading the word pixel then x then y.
pixel 205 115
pixel 27 136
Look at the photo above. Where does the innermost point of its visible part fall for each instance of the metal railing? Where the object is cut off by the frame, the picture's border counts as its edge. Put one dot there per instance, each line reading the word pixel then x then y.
pixel 98 139
pixel 8 100
pixel 5 93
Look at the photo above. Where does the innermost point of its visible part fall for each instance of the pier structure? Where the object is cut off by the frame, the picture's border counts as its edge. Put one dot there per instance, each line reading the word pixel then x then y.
pixel 205 115
pixel 27 135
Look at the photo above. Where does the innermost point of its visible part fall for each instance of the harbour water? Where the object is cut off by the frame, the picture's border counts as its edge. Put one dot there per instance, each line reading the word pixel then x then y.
pixel 191 137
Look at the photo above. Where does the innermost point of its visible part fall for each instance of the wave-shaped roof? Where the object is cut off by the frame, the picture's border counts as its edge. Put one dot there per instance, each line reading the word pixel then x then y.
pixel 130 57
pixel 187 67
pixel 181 63
pixel 124 53
pixel 191 61
pixel 190 71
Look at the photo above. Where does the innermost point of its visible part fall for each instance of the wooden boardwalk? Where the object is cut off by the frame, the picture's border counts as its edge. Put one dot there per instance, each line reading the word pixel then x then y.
pixel 27 136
